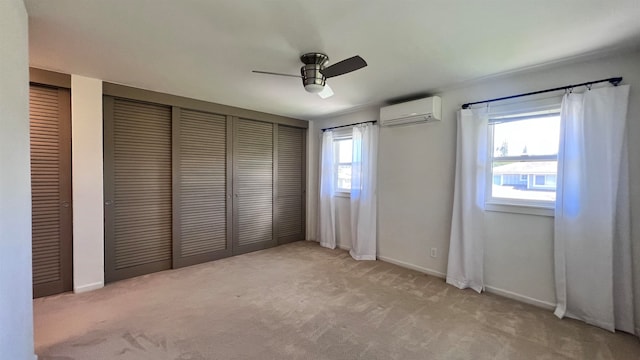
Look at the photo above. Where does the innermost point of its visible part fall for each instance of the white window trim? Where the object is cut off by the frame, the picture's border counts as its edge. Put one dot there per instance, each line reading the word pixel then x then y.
pixel 520 209
pixel 343 134
pixel 528 207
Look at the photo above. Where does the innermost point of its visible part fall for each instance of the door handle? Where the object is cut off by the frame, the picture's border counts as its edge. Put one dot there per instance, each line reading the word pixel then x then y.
pixel 65 204
pixel 108 202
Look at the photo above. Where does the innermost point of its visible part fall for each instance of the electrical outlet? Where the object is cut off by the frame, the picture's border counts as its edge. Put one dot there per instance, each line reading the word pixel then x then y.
pixel 434 252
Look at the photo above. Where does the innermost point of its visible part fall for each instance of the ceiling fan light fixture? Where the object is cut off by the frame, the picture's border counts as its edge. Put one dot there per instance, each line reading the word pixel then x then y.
pixel 314 88
pixel 312 79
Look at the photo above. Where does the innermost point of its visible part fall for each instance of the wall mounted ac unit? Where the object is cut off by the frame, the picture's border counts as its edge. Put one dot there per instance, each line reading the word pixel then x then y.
pixel 411 112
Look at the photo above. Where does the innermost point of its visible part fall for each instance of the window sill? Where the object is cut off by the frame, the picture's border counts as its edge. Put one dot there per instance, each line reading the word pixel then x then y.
pixel 342 194
pixel 520 209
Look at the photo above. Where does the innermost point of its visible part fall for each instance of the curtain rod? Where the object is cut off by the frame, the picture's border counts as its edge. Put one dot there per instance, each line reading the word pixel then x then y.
pixel 341 126
pixel 615 81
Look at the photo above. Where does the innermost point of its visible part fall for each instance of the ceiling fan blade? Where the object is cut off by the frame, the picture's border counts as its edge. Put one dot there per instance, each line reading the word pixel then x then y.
pixel 274 73
pixel 344 66
pixel 326 92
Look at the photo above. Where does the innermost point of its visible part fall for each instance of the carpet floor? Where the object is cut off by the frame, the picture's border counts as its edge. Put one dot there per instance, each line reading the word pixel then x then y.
pixel 301 301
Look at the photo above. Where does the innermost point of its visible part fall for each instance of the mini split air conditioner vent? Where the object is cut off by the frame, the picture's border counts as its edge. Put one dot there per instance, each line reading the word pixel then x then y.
pixel 412 112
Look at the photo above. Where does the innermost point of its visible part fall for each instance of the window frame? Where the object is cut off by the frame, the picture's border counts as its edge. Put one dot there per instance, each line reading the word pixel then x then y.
pixel 544 107
pixel 340 136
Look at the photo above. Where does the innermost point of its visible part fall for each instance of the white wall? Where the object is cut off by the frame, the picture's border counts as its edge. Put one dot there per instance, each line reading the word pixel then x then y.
pixel 313 152
pixel 87 165
pixel 16 313
pixel 416 176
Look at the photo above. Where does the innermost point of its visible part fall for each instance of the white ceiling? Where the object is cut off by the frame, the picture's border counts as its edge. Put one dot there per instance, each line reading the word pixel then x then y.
pixel 207 49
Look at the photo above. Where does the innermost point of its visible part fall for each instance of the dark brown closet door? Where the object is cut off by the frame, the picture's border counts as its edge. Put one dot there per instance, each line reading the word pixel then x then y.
pixel 138 219
pixel 50 126
pixel 253 186
pixel 290 184
pixel 201 187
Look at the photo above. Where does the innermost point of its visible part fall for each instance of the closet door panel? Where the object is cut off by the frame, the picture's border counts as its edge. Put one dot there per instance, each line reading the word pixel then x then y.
pixel 202 186
pixel 253 186
pixel 290 184
pixel 138 197
pixel 50 132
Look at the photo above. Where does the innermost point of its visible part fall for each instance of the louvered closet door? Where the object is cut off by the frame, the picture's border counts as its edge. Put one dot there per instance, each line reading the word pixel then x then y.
pixel 253 186
pixel 138 221
pixel 290 184
pixel 201 188
pixel 50 124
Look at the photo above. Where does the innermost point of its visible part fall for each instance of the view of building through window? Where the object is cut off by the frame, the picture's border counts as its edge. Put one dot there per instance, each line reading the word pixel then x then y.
pixel 525 158
pixel 343 152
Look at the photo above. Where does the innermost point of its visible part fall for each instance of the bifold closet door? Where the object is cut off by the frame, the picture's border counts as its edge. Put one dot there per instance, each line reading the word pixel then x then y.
pixel 50 127
pixel 138 200
pixel 291 184
pixel 253 186
pixel 201 187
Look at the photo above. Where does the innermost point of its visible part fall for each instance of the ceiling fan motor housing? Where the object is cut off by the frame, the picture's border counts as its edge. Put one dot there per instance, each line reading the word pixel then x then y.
pixel 312 79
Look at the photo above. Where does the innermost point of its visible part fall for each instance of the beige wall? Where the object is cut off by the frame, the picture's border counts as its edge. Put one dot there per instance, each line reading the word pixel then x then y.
pixel 87 164
pixel 16 313
pixel 416 176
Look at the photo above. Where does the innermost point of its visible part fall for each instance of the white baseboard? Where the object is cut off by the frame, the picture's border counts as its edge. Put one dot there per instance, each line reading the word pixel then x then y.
pixel 88 287
pixel 413 267
pixel 505 293
pixel 522 298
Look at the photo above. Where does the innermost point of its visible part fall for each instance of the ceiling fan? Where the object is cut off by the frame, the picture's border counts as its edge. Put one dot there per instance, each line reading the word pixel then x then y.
pixel 314 74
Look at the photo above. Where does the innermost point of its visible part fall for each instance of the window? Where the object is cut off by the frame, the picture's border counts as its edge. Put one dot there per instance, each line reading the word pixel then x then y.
pixel 523 157
pixel 343 150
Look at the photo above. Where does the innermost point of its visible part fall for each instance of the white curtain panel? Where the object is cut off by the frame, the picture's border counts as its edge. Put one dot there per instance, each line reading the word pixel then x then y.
pixel 466 246
pixel 327 215
pixel 364 192
pixel 593 269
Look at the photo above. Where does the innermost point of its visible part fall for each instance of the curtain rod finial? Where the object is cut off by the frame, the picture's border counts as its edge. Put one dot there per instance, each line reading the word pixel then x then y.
pixel 615 81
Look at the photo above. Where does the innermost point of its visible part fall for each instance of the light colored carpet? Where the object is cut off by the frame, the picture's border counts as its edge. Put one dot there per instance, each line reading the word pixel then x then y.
pixel 300 301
